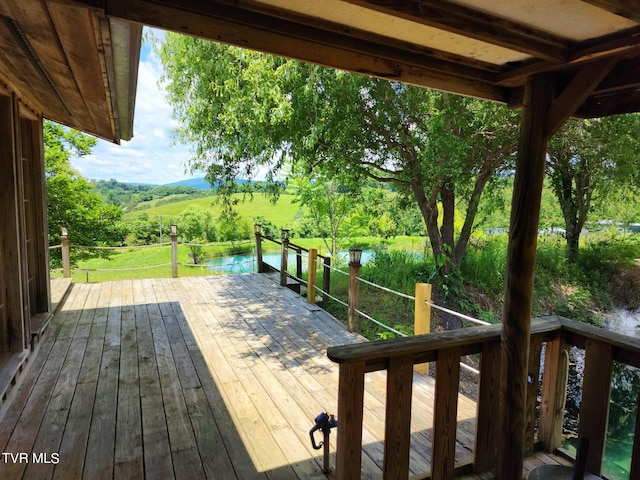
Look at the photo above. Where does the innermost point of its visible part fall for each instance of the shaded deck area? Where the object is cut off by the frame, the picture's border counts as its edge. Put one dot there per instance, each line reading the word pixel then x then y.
pixel 201 377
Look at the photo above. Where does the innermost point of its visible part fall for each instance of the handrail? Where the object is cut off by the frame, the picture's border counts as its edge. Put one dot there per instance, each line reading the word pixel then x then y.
pixel 397 357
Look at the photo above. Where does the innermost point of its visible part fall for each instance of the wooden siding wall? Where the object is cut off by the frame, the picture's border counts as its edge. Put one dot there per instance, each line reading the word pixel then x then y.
pixel 24 275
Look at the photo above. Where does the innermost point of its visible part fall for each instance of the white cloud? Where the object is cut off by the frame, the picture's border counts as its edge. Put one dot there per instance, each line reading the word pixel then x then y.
pixel 151 156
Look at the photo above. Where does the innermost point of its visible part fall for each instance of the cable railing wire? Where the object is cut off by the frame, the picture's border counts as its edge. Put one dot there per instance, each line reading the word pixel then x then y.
pixel 457 314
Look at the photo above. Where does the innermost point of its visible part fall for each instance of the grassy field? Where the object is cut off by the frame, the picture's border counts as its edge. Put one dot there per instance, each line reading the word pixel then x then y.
pixel 280 214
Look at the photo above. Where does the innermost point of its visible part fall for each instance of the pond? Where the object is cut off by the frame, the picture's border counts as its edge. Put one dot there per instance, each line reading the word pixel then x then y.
pixel 247 263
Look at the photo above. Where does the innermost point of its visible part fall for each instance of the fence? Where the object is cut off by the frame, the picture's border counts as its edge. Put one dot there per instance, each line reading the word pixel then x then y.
pixel 65 246
pixel 422 298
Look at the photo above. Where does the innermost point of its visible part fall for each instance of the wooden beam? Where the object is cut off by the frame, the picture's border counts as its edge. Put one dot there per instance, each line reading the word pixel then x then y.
pixel 583 84
pixel 313 40
pixel 350 413
pixel 397 424
pixel 473 23
pixel 624 8
pixel 521 259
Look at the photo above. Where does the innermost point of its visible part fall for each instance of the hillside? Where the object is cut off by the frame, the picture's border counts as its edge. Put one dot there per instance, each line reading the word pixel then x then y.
pixel 280 214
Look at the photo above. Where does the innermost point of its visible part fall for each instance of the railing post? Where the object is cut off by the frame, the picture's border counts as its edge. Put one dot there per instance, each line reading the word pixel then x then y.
pixel 66 255
pixel 422 318
pixel 174 250
pixel 350 414
pixel 312 276
pixel 355 255
pixel 326 279
pixel 488 411
pixel 284 236
pixel 257 229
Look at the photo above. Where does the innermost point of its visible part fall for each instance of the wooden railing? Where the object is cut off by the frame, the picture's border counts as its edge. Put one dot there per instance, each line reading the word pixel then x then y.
pixel 313 261
pixel 397 357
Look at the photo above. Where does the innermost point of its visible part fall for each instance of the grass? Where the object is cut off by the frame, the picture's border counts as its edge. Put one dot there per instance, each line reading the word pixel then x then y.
pixel 280 214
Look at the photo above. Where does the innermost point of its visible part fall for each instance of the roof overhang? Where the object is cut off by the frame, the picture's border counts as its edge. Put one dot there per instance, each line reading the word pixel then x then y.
pixel 483 48
pixel 71 63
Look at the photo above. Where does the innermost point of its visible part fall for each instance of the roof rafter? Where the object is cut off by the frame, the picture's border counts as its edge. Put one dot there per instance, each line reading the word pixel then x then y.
pixel 456 18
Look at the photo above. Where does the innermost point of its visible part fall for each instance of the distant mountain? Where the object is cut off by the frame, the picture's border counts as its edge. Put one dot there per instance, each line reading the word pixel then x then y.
pixel 199 183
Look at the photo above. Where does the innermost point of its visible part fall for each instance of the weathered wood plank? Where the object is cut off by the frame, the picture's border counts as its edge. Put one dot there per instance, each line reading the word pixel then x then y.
pixel 488 412
pixel 596 393
pixel 350 413
pixel 535 348
pixel 445 413
pixel 398 417
pixel 554 387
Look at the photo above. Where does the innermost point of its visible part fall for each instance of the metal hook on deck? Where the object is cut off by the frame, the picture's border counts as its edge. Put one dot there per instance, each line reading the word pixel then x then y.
pixel 324 422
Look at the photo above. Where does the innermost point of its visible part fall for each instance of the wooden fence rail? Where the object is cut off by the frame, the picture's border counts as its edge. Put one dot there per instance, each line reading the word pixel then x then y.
pixel 398 356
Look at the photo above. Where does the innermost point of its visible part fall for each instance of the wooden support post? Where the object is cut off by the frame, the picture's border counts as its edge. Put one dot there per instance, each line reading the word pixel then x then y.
pixel 66 256
pixel 174 251
pixel 299 262
pixel 284 260
pixel 443 454
pixel 326 279
pixel 312 276
pixel 521 262
pixel 554 392
pixel 257 229
pixel 350 414
pixel 422 318
pixel 354 296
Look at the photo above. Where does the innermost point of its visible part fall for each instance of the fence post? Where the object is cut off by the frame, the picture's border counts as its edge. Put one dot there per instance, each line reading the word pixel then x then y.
pixel 311 280
pixel 355 255
pixel 284 236
pixel 257 229
pixel 422 318
pixel 326 279
pixel 299 262
pixel 66 256
pixel 174 251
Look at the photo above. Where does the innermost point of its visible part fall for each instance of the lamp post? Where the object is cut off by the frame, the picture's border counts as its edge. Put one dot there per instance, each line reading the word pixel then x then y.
pixel 257 230
pixel 284 236
pixel 355 256
pixel 174 250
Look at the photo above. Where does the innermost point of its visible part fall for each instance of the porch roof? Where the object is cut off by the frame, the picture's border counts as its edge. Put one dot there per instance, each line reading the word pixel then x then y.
pixel 482 48
pixel 71 63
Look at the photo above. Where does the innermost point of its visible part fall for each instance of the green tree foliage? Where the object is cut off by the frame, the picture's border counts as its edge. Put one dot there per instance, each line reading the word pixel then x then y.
pixel 70 200
pixel 329 205
pixel 590 160
pixel 196 227
pixel 245 112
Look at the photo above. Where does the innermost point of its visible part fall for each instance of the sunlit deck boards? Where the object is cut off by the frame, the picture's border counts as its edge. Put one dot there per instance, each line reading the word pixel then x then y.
pixel 205 377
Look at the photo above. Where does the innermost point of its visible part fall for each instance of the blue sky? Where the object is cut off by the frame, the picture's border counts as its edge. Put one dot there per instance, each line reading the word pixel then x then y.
pixel 152 155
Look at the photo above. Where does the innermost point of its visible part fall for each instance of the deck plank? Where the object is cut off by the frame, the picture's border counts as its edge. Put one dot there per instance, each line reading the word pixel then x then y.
pixel 197 377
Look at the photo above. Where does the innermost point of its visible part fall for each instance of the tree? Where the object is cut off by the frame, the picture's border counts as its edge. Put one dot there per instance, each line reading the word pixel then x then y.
pixel 196 227
pixel 244 111
pixel 70 202
pixel 588 159
pixel 329 205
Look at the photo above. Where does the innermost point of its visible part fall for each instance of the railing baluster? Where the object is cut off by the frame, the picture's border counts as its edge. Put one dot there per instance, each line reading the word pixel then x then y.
pixel 445 413
pixel 554 387
pixel 596 393
pixel 635 457
pixel 488 411
pixel 397 435
pixel 535 348
pixel 350 413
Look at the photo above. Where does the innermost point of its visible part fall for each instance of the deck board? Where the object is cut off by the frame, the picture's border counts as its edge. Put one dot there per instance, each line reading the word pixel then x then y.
pixel 199 377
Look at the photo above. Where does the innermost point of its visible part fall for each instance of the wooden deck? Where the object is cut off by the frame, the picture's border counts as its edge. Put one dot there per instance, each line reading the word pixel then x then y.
pixel 201 377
